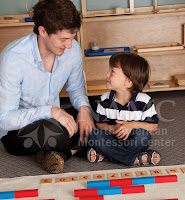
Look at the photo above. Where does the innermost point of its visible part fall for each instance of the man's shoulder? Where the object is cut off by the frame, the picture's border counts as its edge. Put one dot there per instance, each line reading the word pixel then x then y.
pixel 76 46
pixel 18 46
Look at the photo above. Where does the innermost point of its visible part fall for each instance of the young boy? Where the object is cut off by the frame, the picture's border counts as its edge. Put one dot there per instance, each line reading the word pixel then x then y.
pixel 125 115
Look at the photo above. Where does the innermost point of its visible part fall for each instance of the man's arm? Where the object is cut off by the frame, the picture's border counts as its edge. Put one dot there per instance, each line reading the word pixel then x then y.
pixel 85 122
pixel 64 119
pixel 11 117
pixel 75 86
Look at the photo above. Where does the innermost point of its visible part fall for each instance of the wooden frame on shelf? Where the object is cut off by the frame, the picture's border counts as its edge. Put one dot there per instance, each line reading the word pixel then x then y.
pixel 141 12
pixel 116 11
pixel 155 6
pixel 167 10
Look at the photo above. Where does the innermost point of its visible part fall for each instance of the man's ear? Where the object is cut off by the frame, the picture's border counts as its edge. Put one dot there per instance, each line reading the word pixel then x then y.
pixel 42 31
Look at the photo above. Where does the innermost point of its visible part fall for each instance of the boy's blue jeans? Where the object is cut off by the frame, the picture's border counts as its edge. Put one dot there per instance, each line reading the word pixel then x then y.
pixel 119 150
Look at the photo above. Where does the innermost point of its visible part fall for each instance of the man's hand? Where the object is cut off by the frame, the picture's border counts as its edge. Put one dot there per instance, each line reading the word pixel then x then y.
pixel 65 120
pixel 124 129
pixel 85 122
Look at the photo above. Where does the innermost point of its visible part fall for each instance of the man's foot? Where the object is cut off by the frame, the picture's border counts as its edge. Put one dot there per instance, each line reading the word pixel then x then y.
pixel 93 156
pixel 51 161
pixel 148 157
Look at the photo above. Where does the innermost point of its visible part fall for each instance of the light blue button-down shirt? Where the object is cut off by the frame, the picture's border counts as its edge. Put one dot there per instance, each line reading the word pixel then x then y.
pixel 28 91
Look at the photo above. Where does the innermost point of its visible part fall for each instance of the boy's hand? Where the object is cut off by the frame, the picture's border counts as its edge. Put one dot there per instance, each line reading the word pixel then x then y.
pixel 124 129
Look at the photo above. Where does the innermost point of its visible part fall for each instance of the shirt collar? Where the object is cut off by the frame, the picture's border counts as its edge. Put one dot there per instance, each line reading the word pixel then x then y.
pixel 36 52
pixel 112 97
pixel 35 49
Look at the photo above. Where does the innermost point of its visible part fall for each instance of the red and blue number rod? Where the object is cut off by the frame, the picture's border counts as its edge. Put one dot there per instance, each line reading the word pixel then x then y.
pixel 100 197
pixel 132 181
pixel 19 194
pixel 109 191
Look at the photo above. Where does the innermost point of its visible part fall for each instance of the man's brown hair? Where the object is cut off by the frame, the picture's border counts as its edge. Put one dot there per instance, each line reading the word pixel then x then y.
pixel 135 67
pixel 56 15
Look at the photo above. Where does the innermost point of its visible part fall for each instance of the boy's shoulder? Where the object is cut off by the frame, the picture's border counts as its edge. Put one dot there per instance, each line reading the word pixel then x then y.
pixel 143 97
pixel 105 96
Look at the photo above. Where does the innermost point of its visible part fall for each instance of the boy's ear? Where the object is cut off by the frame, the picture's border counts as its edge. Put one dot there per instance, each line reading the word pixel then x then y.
pixel 129 83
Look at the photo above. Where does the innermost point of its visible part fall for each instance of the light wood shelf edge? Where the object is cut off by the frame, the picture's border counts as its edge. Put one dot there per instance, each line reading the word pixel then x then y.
pixel 166 9
pixel 155 53
pixel 133 16
pixel 17 24
pixel 20 17
pixel 158 53
pixel 94 91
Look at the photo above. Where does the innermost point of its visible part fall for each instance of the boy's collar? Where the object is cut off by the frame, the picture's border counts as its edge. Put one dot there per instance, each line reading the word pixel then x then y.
pixel 112 96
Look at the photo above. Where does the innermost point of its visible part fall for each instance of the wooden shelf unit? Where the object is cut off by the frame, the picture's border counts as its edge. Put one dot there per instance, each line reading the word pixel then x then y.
pixel 142 28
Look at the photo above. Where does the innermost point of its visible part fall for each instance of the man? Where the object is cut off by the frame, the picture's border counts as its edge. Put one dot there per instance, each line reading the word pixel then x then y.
pixel 33 71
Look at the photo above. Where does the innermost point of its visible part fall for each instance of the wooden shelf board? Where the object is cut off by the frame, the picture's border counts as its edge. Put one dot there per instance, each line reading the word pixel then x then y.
pixel 133 16
pixel 172 86
pixel 99 91
pixel 126 11
pixel 158 53
pixel 19 17
pixel 17 24
pixel 154 53
pixel 96 85
pixel 96 57
pixel 96 92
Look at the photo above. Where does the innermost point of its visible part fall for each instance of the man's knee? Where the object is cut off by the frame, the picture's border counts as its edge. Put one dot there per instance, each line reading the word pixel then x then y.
pixel 45 134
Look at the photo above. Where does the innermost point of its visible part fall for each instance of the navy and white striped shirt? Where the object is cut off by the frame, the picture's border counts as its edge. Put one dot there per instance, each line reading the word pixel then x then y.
pixel 139 108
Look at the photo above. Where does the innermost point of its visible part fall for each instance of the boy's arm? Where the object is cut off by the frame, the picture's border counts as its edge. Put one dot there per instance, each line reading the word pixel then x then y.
pixel 144 125
pixel 126 127
pixel 110 128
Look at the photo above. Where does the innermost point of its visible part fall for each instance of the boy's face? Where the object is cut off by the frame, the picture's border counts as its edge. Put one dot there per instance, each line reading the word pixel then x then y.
pixel 57 43
pixel 116 79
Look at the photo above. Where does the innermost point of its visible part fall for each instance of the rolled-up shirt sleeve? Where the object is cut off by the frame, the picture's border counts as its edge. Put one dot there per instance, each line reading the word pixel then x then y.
pixel 12 117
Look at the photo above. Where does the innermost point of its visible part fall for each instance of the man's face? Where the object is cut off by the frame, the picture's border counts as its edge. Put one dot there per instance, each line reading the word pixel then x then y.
pixel 57 43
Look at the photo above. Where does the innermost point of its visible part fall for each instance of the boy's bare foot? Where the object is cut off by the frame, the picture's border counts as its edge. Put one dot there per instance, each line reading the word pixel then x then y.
pixel 149 157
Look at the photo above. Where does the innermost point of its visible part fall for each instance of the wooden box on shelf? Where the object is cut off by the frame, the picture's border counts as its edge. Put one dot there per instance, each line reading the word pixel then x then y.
pixel 180 79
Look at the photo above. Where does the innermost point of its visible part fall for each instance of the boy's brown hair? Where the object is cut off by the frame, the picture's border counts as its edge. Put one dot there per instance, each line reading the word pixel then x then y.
pixel 56 15
pixel 135 67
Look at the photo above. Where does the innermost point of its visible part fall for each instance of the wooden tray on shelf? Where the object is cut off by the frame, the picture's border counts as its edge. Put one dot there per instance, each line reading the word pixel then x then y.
pixel 158 47
pixel 158 84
